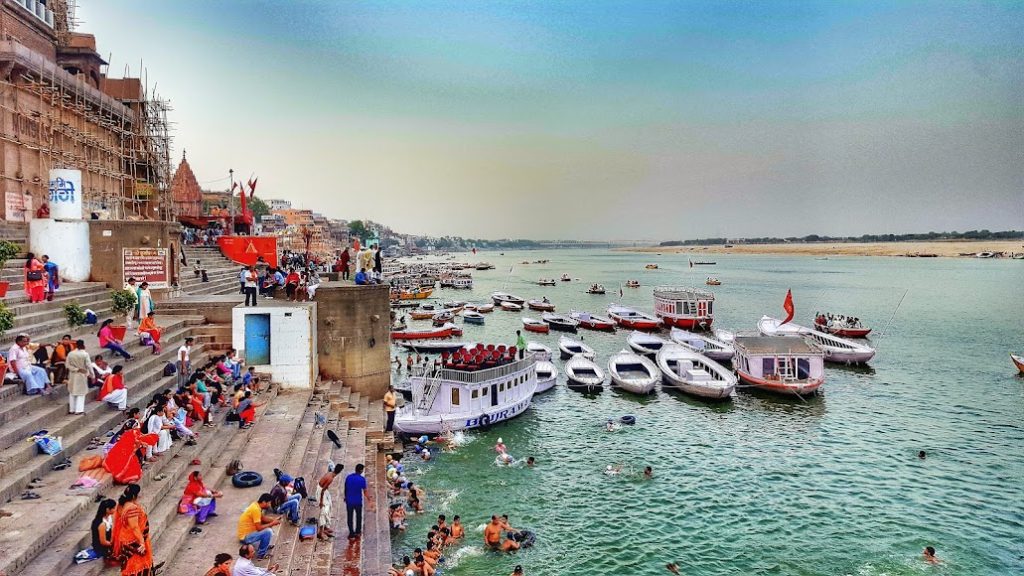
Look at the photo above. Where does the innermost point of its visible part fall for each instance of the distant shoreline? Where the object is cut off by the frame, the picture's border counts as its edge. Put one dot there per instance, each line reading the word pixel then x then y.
pixel 939 248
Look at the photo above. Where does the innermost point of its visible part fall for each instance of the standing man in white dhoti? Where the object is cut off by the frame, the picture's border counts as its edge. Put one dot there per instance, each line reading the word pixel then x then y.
pixel 78 364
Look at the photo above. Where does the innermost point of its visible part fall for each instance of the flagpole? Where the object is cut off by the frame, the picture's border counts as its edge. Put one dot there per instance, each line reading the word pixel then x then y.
pixel 231 201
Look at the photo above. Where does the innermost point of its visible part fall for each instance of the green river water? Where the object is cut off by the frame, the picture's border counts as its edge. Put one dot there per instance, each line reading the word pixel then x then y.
pixel 761 484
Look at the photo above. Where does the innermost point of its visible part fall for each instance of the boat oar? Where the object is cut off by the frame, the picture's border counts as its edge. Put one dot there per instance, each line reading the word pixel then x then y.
pixel 898 304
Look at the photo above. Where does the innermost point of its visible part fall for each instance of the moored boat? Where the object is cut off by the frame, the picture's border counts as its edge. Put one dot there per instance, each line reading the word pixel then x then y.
pixel 1018 361
pixel 712 281
pixel 644 343
pixel 472 389
pixel 569 347
pixel 532 325
pixel 539 351
pixel 454 305
pixel 583 373
pixel 500 297
pixel 472 317
pixel 485 266
pixel 511 307
pixel 592 322
pixel 596 289
pixel 411 294
pixel 839 325
pixel 442 318
pixel 651 267
pixel 546 282
pixel 433 346
pixel 632 283
pixel 684 307
pixel 485 308
pixel 710 346
pixel 462 283
pixel 791 365
pixel 694 373
pixel 836 349
pixel 541 305
pixel 633 372
pixel 559 322
pixel 630 318
pixel 424 333
pixel 566 278
pixel 547 375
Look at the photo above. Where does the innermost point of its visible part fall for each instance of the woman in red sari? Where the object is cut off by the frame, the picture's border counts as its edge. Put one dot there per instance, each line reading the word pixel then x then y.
pixel 122 461
pixel 198 500
pixel 35 289
pixel 130 537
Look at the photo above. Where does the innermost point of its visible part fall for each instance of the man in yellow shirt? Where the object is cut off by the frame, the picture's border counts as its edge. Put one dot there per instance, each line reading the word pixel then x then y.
pixel 389 408
pixel 255 528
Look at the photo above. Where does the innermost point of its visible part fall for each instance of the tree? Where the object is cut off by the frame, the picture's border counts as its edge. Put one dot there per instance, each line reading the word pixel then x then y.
pixel 358 229
pixel 258 207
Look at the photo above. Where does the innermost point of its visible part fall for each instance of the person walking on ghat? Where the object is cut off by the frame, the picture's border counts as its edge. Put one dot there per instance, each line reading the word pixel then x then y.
pixel 390 402
pixel 346 258
pixel 79 365
pixel 250 286
pixel 355 492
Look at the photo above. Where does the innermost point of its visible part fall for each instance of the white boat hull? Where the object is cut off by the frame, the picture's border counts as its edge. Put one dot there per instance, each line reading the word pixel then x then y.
pixel 547 375
pixel 720 385
pixel 415 424
pixel 642 382
pixel 837 350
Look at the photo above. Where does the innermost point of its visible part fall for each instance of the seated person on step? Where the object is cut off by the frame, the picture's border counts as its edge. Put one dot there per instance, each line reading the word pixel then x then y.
pixel 284 501
pixel 254 528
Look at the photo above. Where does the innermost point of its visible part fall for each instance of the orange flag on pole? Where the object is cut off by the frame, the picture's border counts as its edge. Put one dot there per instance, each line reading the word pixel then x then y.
pixel 788 306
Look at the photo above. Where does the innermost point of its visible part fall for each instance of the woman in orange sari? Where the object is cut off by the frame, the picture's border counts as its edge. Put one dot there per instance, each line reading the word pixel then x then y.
pixel 148 326
pixel 35 279
pixel 132 545
pixel 122 461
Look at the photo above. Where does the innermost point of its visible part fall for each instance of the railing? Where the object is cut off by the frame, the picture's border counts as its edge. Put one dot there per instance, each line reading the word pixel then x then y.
pixel 428 380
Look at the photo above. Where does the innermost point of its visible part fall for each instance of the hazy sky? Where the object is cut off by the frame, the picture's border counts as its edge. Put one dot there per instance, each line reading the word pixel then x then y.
pixel 597 120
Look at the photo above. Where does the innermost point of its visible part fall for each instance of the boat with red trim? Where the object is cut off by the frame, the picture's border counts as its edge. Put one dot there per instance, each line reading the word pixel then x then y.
pixel 630 318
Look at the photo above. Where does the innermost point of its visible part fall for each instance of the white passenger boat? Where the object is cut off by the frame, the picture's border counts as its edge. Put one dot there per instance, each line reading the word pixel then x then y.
pixel 539 351
pixel 462 283
pixel 644 343
pixel 836 349
pixel 547 375
pixel 684 307
pixel 569 347
pixel 695 374
pixel 791 365
pixel 500 297
pixel 583 373
pixel 468 397
pixel 705 344
pixel 633 373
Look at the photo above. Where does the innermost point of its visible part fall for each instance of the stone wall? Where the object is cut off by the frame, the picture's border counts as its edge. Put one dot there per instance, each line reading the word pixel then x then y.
pixel 353 332
pixel 108 239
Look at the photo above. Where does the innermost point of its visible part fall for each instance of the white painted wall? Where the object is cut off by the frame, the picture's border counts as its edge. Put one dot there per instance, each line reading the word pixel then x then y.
pixel 293 342
pixel 66 242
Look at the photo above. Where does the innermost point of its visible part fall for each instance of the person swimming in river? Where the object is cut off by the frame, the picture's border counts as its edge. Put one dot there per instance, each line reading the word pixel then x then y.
pixel 611 426
pixel 492 537
pixel 500 447
pixel 613 470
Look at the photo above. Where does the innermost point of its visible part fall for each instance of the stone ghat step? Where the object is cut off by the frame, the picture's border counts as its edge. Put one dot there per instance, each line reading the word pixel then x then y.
pixel 61 508
pixel 17 405
pixel 18 300
pixel 21 462
pixel 215 448
pixel 268 446
pixel 53 325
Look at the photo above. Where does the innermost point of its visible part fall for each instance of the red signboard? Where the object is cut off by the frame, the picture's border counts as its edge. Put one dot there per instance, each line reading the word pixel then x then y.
pixel 246 249
pixel 147 265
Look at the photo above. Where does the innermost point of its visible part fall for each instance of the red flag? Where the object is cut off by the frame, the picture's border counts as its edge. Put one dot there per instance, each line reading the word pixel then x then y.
pixel 252 186
pixel 788 306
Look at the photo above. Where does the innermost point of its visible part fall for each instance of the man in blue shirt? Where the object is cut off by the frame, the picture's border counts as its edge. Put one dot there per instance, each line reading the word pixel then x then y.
pixel 355 491
pixel 361 278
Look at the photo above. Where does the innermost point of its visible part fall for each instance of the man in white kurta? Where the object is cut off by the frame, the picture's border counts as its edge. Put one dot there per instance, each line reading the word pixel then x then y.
pixel 78 364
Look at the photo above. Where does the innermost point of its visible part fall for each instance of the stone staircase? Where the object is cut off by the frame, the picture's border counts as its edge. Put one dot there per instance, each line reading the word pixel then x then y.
pixel 222 272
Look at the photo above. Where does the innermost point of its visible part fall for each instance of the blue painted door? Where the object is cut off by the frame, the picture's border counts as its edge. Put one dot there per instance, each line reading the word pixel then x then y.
pixel 257 339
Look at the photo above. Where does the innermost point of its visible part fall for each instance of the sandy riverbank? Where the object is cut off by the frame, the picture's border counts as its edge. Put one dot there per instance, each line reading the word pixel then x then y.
pixel 944 249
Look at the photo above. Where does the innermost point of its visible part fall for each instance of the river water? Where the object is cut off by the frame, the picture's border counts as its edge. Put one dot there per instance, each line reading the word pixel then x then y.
pixel 761 484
